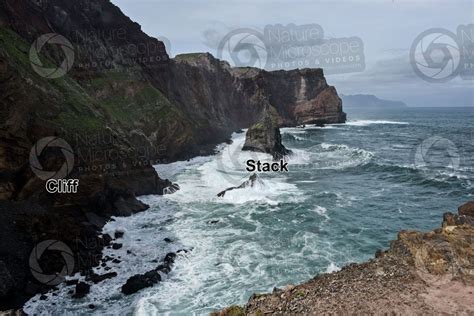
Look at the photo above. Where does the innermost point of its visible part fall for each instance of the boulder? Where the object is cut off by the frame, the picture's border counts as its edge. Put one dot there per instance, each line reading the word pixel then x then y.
pixel 148 279
pixel 116 246
pixel 118 234
pixel 82 289
pixel 141 281
pixel 467 209
pixel 96 278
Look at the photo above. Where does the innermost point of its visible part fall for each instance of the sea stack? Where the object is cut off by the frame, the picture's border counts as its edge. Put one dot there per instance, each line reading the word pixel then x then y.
pixel 264 136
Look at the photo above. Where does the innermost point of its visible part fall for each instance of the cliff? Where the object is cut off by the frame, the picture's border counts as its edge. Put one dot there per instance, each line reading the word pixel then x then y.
pixel 83 72
pixel 420 274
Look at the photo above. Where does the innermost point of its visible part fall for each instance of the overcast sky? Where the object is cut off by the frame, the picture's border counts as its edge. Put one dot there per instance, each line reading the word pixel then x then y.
pixel 387 30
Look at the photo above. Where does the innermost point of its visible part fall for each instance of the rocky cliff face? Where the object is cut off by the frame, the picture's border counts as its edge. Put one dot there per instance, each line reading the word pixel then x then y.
pixel 300 96
pixel 112 93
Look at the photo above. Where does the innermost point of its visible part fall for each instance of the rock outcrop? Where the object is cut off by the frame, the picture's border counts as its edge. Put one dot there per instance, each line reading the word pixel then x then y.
pixel 140 281
pixel 264 136
pixel 246 184
pixel 467 209
pixel 421 273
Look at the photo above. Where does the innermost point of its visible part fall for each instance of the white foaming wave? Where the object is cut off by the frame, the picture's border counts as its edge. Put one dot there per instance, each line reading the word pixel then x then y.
pixel 302 130
pixel 170 170
pixel 203 180
pixel 370 122
pixel 293 130
pixel 299 138
pixel 265 193
pixel 330 126
pixel 320 210
pixel 332 267
pixel 340 156
pixel 299 157
pixel 141 244
pixel 209 269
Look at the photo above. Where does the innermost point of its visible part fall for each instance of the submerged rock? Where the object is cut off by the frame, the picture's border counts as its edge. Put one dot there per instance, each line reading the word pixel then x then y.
pixel 248 183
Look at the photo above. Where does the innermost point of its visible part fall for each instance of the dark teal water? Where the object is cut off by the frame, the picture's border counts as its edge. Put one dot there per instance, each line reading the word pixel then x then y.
pixel 350 189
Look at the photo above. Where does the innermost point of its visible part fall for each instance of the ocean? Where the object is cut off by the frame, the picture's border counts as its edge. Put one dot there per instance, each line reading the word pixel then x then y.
pixel 349 190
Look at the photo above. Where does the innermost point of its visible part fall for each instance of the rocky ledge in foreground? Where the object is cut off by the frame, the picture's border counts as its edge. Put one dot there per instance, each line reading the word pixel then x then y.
pixel 421 273
pixel 264 136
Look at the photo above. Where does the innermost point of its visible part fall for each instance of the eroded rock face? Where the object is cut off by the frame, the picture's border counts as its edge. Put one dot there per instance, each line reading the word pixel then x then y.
pixel 265 137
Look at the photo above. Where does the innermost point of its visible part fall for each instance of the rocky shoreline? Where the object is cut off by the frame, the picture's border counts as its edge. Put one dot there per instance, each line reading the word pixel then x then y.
pixel 428 273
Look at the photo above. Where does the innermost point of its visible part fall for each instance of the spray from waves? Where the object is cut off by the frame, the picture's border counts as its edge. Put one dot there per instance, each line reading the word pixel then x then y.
pixel 202 178
pixel 370 122
pixel 332 267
